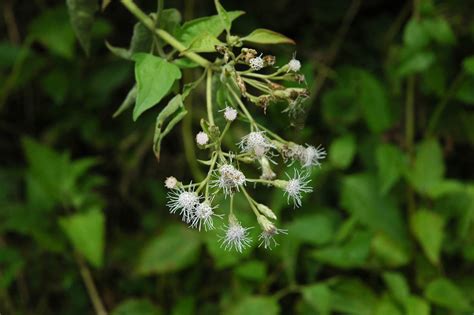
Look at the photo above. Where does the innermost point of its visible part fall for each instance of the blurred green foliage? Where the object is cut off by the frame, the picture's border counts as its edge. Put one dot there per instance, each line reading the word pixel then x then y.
pixel 388 231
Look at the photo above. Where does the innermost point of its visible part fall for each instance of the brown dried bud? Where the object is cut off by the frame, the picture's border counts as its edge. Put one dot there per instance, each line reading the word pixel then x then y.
pixel 276 86
pixel 241 85
pixel 269 60
pixel 248 53
pixel 221 49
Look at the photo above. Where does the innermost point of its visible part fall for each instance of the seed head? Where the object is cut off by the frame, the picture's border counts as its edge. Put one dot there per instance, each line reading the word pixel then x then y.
pixel 202 138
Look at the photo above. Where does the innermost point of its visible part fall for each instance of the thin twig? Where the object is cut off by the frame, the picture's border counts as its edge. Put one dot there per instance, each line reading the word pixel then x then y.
pixel 90 286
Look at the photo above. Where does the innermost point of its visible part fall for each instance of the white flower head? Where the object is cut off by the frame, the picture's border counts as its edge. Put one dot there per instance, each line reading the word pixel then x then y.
pixel 171 182
pixel 294 64
pixel 255 143
pixel 256 63
pixel 230 114
pixel 229 179
pixel 203 216
pixel 236 236
pixel 312 156
pixel 202 138
pixel 267 237
pixel 297 185
pixel 184 201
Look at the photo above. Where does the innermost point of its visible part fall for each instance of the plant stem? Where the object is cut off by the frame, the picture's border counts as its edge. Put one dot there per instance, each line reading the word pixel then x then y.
pixel 210 115
pixel 410 113
pixel 242 106
pixel 167 37
pixel 442 104
pixel 90 286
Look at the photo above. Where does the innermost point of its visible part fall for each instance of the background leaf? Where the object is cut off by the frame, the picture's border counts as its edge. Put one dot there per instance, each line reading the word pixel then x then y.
pixel 264 36
pixel 81 13
pixel 427 227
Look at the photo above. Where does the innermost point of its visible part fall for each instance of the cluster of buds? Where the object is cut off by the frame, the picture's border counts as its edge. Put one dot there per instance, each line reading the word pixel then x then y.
pixel 241 78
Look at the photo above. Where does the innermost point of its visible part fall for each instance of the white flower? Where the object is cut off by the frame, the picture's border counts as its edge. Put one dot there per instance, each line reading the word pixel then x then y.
pixel 311 156
pixel 256 63
pixel 255 143
pixel 267 237
pixel 296 186
pixel 202 138
pixel 294 65
pixel 229 179
pixel 203 216
pixel 171 182
pixel 236 236
pixel 230 114
pixel 184 201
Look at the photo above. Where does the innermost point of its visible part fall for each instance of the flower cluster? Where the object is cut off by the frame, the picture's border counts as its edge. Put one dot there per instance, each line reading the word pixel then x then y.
pixel 241 76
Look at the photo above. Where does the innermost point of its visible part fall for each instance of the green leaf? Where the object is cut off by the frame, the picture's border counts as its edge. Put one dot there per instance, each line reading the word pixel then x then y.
pixel 417 306
pixel 385 306
pixel 252 270
pixel 264 36
pixel 141 41
pixel 170 19
pixel 439 30
pixel 136 307
pixel 155 77
pixel 127 102
pixel 342 151
pixel 428 169
pixel 349 255
pixel 414 62
pixel 319 297
pixel 175 249
pixel 351 296
pixel 372 98
pixel 427 227
pixel 255 305
pixel 398 286
pixel 11 264
pixel 210 24
pixel 361 197
pixel 223 15
pixel 445 293
pixel 81 13
pixel 315 229
pixel 53 30
pixel 86 232
pixel 415 35
pixel 175 109
pixel 390 252
pixel 391 164
pixel 204 43
pixel 468 64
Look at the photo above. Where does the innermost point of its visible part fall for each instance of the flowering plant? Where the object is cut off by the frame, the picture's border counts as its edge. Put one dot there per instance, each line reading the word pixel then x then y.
pixel 238 77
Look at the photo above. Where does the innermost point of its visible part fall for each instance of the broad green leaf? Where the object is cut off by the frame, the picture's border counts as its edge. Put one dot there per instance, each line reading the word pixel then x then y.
pixel 141 41
pixel 175 111
pixel 86 232
pixel 428 170
pixel 211 24
pixel 11 263
pixel 315 229
pixel 362 198
pixel 127 102
pixel 445 293
pixel 342 151
pixel 264 36
pixel 136 307
pixel 155 77
pixel 339 108
pixel 468 64
pixel 351 296
pixel 439 30
pixel 372 99
pixel 391 253
pixel 319 297
pixel 417 306
pixel 415 62
pixel 53 30
pixel 170 19
pixel 175 249
pixel 427 227
pixel 185 63
pixel 391 164
pixel 349 255
pixel 204 43
pixel 398 286
pixel 252 270
pixel 223 15
pixel 385 306
pixel 81 13
pixel 415 35
pixel 254 305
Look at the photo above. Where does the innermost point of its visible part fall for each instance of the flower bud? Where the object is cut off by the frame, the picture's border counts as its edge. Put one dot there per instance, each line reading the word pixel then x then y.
pixel 266 225
pixel 266 211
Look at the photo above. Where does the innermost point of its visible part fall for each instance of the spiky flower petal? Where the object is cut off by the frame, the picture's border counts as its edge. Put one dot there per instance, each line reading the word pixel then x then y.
pixel 229 179
pixel 297 185
pixel 203 216
pixel 312 156
pixel 184 201
pixel 236 236
pixel 256 143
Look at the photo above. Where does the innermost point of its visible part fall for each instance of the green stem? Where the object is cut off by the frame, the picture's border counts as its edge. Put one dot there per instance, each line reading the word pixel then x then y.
pixel 442 104
pixel 148 22
pixel 210 115
pixel 242 106
pixel 410 114
pixel 250 201
pixel 90 286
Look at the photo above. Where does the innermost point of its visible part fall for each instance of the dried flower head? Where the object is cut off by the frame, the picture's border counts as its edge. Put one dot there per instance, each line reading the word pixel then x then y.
pixel 269 230
pixel 202 138
pixel 255 143
pixel 310 156
pixel 184 201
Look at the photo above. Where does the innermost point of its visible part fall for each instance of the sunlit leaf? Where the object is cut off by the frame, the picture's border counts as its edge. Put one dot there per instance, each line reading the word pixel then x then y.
pixel 445 293
pixel 319 297
pixel 255 305
pixel 204 43
pixel 427 227
pixel 264 36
